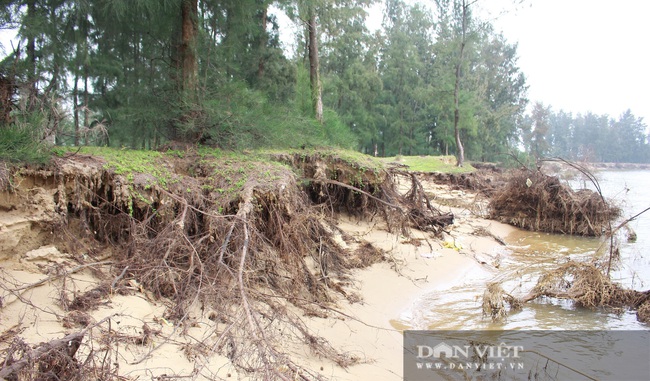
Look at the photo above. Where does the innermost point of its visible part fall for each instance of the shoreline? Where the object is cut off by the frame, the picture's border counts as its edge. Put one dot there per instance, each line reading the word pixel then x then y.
pixel 389 291
pixel 623 166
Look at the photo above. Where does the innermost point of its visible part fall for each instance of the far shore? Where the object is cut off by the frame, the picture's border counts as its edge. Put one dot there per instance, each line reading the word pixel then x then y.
pixel 626 166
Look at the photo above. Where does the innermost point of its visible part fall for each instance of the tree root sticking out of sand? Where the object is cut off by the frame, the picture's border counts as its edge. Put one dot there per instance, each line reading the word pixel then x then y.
pixel 251 249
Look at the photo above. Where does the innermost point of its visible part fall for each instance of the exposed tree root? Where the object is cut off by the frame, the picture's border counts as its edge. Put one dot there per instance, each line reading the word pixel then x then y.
pixel 486 180
pixel 422 214
pixel 235 240
pixel 534 201
pixel 583 283
pixel 61 359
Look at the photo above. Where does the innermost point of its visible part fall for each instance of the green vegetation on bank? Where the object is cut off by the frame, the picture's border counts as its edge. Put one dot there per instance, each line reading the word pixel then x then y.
pixel 126 162
pixel 354 159
pixel 444 164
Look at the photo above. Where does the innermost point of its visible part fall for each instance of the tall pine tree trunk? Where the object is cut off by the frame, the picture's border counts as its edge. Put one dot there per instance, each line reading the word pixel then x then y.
pixel 459 145
pixel 314 68
pixel 186 62
pixel 189 62
pixel 75 108
pixel 31 57
pixel 86 101
pixel 263 41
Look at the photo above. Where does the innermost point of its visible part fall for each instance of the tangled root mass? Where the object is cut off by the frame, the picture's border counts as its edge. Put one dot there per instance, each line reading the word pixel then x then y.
pixel 235 237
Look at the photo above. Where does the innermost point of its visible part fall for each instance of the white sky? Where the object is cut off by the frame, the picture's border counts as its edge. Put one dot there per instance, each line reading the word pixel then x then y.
pixel 581 55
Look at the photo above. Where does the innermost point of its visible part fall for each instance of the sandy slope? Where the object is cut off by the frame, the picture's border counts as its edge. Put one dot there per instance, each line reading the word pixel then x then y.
pixel 365 330
pixel 391 287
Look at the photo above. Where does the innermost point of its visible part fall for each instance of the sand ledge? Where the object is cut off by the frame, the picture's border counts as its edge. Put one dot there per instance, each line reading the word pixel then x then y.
pixel 367 330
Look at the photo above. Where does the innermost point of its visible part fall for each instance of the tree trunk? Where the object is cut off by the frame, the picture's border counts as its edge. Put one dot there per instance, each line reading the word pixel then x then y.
pixel 7 91
pixel 189 62
pixel 31 58
pixel 75 107
pixel 86 101
pixel 314 76
pixel 400 133
pixel 185 57
pixel 459 145
pixel 75 104
pixel 262 45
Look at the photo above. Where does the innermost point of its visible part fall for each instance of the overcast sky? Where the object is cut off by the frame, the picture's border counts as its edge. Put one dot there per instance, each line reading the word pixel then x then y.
pixel 581 55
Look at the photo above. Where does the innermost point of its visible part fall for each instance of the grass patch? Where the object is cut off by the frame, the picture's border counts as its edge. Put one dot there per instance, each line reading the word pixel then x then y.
pixel 128 162
pixel 443 164
pixel 355 159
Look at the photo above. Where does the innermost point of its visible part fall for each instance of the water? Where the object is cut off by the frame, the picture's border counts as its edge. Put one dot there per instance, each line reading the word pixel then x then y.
pixel 528 254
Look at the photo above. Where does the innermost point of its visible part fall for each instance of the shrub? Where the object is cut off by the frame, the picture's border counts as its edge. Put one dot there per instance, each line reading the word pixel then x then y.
pixel 19 144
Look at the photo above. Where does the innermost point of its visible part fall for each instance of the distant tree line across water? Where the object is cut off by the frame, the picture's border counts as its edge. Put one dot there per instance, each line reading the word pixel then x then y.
pixel 586 137
pixel 146 72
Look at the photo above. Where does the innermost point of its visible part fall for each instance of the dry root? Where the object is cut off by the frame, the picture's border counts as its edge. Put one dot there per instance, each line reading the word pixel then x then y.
pixel 534 201
pixel 54 360
pixel 643 312
pixel 583 283
pixel 241 240
pixel 495 300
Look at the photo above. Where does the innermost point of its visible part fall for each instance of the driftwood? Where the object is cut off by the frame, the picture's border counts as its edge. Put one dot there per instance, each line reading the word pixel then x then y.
pixel 66 346
pixel 583 283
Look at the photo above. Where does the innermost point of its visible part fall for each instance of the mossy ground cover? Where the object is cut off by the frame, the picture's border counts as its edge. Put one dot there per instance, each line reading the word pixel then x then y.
pixel 125 162
pixel 443 164
pixel 354 159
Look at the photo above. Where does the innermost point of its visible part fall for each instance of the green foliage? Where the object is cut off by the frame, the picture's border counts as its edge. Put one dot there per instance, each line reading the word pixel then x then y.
pixel 129 163
pixel 589 137
pixel 444 164
pixel 406 93
pixel 336 132
pixel 121 73
pixel 237 117
pixel 20 145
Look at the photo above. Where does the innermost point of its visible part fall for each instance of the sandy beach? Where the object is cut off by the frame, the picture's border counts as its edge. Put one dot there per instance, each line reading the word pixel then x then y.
pixel 391 287
pixel 367 330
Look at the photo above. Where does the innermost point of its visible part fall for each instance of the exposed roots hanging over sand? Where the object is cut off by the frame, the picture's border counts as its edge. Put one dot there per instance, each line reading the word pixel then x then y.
pixel 365 190
pixel 238 240
pixel 67 358
pixel 534 201
pixel 422 214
